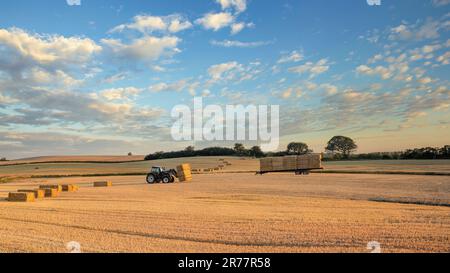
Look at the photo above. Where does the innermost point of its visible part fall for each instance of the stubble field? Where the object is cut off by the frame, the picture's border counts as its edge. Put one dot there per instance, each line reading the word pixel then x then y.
pixel 234 212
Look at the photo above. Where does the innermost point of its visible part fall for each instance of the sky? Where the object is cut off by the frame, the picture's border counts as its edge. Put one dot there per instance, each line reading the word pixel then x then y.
pixel 101 77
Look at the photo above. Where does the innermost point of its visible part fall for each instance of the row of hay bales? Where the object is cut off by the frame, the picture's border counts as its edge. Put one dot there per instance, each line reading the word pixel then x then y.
pixel 48 191
pixel 222 165
pixel 289 163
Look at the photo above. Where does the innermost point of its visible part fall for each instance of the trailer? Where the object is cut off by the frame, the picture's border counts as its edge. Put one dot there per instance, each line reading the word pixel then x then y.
pixel 298 164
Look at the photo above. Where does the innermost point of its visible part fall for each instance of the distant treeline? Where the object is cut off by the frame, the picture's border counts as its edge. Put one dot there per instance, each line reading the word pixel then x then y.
pixel 419 153
pixel 298 148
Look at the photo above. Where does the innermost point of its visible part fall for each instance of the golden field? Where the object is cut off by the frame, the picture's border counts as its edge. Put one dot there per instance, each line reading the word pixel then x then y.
pixel 78 165
pixel 232 212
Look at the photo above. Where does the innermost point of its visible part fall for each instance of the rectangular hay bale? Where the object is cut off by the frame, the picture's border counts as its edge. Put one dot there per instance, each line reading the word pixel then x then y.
pixel 103 184
pixel 184 172
pixel 184 178
pixel 68 188
pixel 54 186
pixel 51 192
pixel 21 197
pixel 38 194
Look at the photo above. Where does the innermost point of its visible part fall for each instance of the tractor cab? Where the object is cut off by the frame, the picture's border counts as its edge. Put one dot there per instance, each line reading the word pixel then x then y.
pixel 157 170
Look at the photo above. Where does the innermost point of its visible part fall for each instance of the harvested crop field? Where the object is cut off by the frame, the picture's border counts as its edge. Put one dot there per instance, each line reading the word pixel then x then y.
pixel 234 213
pixel 107 167
pixel 84 158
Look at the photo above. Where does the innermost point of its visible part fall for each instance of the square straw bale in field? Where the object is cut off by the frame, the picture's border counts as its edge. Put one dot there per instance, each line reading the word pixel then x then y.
pixel 38 194
pixel 21 197
pixel 103 184
pixel 68 188
pixel 51 192
pixel 184 178
pixel 57 187
pixel 184 169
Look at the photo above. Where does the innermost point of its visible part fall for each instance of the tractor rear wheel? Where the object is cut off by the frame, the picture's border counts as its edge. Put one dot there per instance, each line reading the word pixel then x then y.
pixel 151 179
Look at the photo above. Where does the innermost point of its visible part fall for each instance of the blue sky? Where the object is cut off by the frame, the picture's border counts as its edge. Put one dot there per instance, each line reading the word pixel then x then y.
pixel 101 77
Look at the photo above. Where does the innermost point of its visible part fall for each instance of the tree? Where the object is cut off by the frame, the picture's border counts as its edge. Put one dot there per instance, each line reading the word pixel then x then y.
pixel 239 148
pixel 256 151
pixel 341 144
pixel 298 148
pixel 130 154
pixel 189 149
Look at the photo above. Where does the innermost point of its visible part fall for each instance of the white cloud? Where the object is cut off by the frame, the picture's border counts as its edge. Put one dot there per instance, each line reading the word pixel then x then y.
pixel 47 49
pixel 294 56
pixel 238 5
pixel 236 28
pixel 430 48
pixel 428 30
pixel 145 49
pixel 147 24
pixel 73 2
pixel 444 58
pixel 177 86
pixel 425 80
pixel 375 59
pixel 440 3
pixel 120 93
pixel 219 71
pixel 382 71
pixel 233 72
pixel 288 93
pixel 329 88
pixel 216 21
pixel 228 43
pixel 36 75
pixel 115 78
pixel 313 69
pixel 4 100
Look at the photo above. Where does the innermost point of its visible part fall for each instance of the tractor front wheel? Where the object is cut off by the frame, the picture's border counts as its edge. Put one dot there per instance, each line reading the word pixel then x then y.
pixel 166 179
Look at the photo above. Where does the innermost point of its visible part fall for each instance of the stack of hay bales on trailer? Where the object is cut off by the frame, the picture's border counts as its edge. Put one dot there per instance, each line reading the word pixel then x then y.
pixel 291 163
pixel 184 172
pixel 278 164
